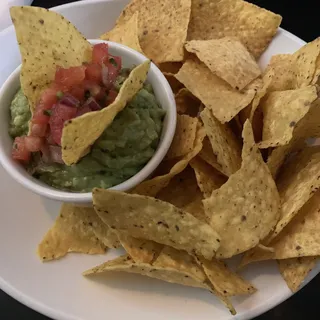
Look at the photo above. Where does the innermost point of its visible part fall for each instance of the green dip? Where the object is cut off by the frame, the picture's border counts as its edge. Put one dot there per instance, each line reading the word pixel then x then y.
pixel 121 151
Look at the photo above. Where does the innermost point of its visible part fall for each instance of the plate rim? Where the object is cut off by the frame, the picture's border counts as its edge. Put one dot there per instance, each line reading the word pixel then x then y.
pixel 59 315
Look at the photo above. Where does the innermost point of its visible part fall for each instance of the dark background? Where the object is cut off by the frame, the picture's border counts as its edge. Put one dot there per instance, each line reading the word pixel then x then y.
pixel 300 18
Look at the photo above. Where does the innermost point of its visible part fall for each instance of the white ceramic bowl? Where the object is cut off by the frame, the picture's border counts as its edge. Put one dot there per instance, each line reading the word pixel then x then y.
pixel 163 94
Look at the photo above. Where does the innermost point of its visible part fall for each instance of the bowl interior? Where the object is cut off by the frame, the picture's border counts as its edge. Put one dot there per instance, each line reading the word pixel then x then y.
pixel 164 97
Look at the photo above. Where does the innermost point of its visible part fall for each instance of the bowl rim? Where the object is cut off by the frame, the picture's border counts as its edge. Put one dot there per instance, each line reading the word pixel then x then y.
pixel 83 198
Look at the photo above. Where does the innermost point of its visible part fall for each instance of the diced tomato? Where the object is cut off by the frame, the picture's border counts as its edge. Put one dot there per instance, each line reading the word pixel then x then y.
pixel 109 74
pixel 38 130
pixel 93 72
pixel 70 77
pixel 94 89
pixel 111 96
pixel 48 99
pixel 100 53
pixel 19 150
pixel 60 114
pixel 82 110
pixel 78 92
pixel 33 144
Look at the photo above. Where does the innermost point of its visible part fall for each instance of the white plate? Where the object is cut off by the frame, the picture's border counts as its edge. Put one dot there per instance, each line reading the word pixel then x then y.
pixel 57 289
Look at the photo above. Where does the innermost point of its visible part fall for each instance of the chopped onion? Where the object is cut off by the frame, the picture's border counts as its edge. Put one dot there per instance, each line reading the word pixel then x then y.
pixel 69 100
pixel 92 104
pixel 46 158
pixel 56 154
pixel 105 75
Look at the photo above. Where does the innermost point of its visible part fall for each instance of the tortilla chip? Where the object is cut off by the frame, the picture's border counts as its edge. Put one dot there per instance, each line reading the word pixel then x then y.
pixel 252 25
pixel 225 281
pixel 207 177
pixel 173 82
pixel 246 208
pixel 295 270
pixel 161 272
pixel 126 33
pixel 227 58
pixel 80 133
pixel 46 40
pixel 71 232
pixel 217 95
pixel 282 110
pixel 208 156
pixel 163 27
pixel 296 70
pixel 148 218
pixel 187 103
pixel 153 186
pixel 307 127
pixel 184 137
pixel 196 207
pixel 223 142
pixel 300 237
pixel 181 189
pixel 141 251
pixel 298 182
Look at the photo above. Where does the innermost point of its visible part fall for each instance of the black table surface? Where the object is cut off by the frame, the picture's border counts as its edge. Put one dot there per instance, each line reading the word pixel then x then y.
pixel 300 18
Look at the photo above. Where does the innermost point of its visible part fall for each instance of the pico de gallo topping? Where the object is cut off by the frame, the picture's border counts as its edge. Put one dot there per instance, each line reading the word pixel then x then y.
pixel 75 91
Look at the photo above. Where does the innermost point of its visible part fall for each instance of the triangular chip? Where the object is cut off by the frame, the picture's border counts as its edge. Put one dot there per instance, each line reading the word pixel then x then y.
pixel 46 40
pixel 163 27
pixel 282 110
pixel 227 58
pixel 246 208
pixel 141 251
pixel 298 182
pixel 126 33
pixel 149 218
pixel 80 133
pixel 72 232
pixel 223 142
pixel 253 26
pixel 295 270
pixel 184 137
pixel 207 177
pixel 301 237
pixel 153 186
pixel 217 95
pixel 225 281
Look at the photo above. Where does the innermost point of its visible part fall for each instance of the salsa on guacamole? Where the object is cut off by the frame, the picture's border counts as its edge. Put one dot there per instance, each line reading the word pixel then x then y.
pixel 125 146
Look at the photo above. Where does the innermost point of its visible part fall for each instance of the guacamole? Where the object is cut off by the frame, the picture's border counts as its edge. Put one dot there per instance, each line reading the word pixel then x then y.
pixel 20 115
pixel 120 152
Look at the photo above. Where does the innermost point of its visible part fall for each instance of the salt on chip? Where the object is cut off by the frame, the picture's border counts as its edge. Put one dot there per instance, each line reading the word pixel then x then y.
pixel 223 142
pixel 126 33
pixel 187 103
pixel 80 133
pixel 46 40
pixel 246 208
pixel 163 27
pixel 298 182
pixel 153 186
pixel 225 281
pixel 227 58
pixel 217 95
pixel 295 270
pixel 252 25
pixel 151 219
pixel 141 251
pixel 282 110
pixel 71 232
pixel 207 177
pixel 184 137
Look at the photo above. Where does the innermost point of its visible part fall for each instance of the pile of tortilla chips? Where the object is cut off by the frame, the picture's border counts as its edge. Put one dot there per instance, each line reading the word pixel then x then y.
pixel 239 177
